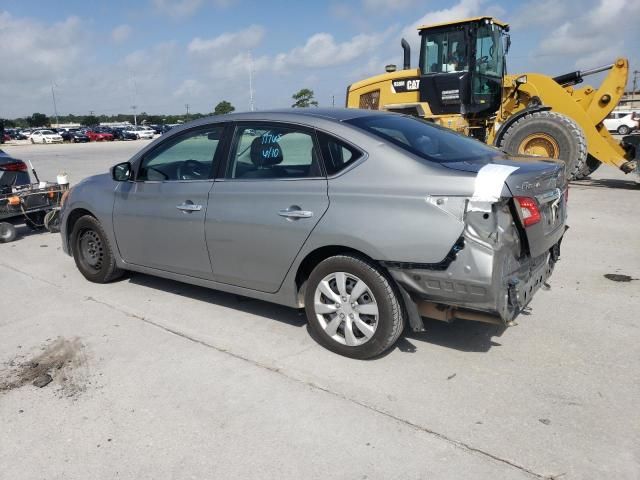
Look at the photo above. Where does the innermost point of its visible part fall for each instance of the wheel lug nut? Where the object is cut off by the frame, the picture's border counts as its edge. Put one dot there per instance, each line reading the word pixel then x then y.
pixel 344 299
pixel 351 315
pixel 342 315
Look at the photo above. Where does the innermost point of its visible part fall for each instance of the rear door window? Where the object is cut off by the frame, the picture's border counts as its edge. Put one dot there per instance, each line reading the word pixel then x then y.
pixel 263 151
pixel 337 155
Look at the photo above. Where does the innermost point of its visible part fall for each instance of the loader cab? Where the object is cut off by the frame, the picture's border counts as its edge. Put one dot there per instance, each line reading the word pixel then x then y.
pixel 462 66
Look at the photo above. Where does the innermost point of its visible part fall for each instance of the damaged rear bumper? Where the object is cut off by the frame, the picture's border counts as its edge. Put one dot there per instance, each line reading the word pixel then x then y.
pixel 489 278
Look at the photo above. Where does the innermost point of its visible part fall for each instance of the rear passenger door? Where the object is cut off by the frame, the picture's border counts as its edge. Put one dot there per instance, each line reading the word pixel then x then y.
pixel 260 214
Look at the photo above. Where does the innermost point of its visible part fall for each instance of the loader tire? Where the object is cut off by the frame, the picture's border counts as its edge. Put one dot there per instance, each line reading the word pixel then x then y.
pixel 590 166
pixel 548 134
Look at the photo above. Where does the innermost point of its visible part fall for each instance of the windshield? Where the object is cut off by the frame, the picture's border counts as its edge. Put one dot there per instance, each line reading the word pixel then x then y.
pixel 424 139
pixel 489 54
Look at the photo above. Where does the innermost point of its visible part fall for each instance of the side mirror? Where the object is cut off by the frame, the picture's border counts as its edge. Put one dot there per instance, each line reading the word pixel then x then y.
pixel 521 80
pixel 122 172
pixel 507 43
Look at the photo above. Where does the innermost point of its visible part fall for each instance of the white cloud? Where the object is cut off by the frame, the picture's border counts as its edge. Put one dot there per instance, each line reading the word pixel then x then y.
pixel 248 38
pixel 321 50
pixel 588 39
pixel 387 5
pixel 177 8
pixel 121 33
pixel 547 12
pixel 186 8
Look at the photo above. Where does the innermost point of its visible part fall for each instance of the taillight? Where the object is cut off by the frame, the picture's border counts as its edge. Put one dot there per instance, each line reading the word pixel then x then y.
pixel 529 211
pixel 14 167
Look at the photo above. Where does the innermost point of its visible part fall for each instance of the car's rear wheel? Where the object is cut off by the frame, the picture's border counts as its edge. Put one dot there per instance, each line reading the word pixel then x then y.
pixel 92 251
pixel 352 307
pixel 623 130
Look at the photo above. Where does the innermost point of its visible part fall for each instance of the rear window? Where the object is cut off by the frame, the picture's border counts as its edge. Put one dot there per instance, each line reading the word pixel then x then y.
pixel 429 141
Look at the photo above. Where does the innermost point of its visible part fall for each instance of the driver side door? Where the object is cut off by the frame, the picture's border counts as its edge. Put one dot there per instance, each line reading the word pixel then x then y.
pixel 159 218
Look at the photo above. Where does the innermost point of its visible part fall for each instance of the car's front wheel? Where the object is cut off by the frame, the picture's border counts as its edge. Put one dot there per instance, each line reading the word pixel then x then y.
pixel 352 307
pixel 623 130
pixel 92 251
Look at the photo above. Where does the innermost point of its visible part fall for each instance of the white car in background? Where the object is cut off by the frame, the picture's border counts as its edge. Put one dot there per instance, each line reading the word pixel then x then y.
pixel 622 122
pixel 45 136
pixel 141 131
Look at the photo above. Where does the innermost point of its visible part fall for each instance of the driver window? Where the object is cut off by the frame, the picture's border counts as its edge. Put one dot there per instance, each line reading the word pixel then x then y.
pixel 186 157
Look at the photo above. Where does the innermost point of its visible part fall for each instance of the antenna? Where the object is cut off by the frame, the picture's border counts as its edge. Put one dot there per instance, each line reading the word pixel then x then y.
pixel 251 105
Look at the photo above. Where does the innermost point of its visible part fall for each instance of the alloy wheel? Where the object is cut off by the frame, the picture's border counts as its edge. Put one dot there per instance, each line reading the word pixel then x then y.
pixel 346 309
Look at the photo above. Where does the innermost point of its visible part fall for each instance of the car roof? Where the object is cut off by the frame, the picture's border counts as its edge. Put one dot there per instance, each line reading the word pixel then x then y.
pixel 309 116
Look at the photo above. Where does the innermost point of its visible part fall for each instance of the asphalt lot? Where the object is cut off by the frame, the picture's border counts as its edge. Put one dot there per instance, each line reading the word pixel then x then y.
pixel 159 379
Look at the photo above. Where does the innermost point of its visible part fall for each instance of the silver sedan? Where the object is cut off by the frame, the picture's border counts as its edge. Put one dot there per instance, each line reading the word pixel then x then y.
pixel 368 220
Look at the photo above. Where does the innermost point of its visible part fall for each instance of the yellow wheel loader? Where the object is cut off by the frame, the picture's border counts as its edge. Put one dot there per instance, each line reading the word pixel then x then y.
pixel 461 84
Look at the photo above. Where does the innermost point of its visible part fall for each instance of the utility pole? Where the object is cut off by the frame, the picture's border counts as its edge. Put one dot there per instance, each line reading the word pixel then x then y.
pixel 186 105
pixel 55 108
pixel 135 118
pixel 333 101
pixel 251 105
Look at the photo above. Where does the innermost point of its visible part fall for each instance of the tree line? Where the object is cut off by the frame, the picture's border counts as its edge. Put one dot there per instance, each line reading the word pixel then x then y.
pixel 302 99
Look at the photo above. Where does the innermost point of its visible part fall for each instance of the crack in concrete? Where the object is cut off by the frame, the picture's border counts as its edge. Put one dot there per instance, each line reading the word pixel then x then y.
pixel 456 443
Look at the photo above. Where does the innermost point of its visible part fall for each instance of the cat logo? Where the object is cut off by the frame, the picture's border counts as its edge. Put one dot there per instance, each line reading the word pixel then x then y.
pixel 405 85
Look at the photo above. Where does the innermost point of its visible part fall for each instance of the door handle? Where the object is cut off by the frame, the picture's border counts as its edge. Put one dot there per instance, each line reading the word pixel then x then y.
pixel 189 207
pixel 294 213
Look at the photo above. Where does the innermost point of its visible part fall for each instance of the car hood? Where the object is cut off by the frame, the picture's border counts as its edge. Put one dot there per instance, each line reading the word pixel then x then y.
pixel 532 175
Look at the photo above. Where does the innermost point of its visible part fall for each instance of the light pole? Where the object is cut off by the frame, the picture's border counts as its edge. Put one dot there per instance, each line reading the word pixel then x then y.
pixel 135 118
pixel 55 108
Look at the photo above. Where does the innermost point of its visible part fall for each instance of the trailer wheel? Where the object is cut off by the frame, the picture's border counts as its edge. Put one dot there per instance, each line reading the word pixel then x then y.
pixel 548 134
pixel 7 232
pixel 590 166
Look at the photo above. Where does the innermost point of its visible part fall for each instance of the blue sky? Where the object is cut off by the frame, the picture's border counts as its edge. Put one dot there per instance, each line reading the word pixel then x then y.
pixel 163 54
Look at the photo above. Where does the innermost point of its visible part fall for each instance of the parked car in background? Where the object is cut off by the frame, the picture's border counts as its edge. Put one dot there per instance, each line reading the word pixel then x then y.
pixel 122 133
pixel 13 172
pixel 97 136
pixel 141 132
pixel 45 136
pixel 366 219
pixel 16 134
pixel 75 136
pixel 622 122
pixel 160 129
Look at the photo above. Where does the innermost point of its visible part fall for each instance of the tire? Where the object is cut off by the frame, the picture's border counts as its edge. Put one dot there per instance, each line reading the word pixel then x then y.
pixel 555 130
pixel 590 166
pixel 7 232
pixel 92 251
pixel 336 327
pixel 623 130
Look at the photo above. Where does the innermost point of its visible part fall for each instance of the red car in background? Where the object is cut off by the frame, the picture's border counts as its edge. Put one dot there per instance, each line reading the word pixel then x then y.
pixel 99 136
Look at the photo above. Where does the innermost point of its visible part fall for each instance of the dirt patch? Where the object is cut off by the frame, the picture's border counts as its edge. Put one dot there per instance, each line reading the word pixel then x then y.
pixel 62 362
pixel 617 277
